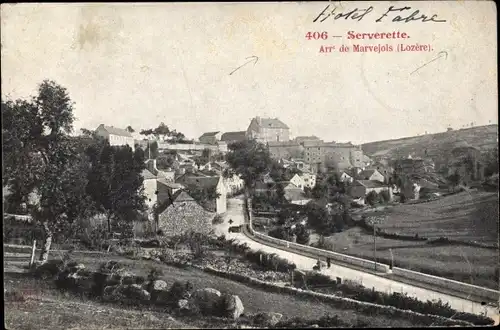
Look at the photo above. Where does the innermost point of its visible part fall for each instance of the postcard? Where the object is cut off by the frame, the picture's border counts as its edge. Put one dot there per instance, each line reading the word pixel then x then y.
pixel 250 164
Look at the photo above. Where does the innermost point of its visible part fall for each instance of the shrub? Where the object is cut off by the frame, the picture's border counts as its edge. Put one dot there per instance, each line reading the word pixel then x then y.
pixel 371 198
pixel 302 235
pixel 384 196
pixel 180 290
pixel 280 233
pixel 154 274
pixel 217 220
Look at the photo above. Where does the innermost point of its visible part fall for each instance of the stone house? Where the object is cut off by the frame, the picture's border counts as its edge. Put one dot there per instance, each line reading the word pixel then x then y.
pixel 180 214
pixel 321 155
pixel 372 175
pixel 268 129
pixel 361 188
pixel 116 136
pixel 210 137
pixel 285 149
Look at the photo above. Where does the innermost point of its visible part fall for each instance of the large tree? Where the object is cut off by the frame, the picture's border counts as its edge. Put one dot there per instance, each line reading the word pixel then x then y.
pixel 42 160
pixel 116 182
pixel 249 159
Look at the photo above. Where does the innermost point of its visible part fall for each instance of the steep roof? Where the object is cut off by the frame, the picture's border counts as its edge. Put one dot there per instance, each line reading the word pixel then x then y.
pixel 173 185
pixel 270 123
pixel 148 175
pixel 367 173
pixel 115 130
pixel 199 181
pixel 178 197
pixel 370 183
pixel 233 136
pixel 209 134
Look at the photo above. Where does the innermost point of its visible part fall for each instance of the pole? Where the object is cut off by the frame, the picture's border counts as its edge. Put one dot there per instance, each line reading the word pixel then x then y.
pixel 149 150
pixel 374 247
pixel 33 248
pixel 392 259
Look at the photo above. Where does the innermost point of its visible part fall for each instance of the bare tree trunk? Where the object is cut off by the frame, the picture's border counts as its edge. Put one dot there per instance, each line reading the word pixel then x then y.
pixel 44 255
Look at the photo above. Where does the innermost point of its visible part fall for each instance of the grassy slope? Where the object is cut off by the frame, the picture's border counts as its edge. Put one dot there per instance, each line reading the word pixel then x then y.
pixel 467 216
pixel 63 313
pixel 482 137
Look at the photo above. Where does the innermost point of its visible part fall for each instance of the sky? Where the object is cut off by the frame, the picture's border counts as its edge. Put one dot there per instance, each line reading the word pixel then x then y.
pixel 142 64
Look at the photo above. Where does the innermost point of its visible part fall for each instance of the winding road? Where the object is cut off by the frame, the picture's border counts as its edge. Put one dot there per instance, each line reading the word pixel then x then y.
pixel 235 212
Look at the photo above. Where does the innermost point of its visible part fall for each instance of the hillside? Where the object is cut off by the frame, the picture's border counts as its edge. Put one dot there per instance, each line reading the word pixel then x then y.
pixel 481 137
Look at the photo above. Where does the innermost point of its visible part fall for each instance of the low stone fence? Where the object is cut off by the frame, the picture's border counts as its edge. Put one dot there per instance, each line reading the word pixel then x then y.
pixel 460 289
pixel 341 302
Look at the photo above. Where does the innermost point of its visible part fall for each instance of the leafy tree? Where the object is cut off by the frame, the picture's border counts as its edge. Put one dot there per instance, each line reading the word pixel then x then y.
pixel 280 233
pixel 130 129
pixel 454 179
pixel 283 215
pixel 371 198
pixel 491 162
pixel 40 158
pixel 302 235
pixel 249 159
pixel 165 161
pixel 116 182
pixel 318 218
pixel 384 196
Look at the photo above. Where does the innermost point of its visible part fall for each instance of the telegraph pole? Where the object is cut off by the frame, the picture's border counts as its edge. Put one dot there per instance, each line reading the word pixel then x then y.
pixel 374 247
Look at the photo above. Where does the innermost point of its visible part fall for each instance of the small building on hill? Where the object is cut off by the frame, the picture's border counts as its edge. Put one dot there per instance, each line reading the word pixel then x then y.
pixel 231 137
pixel 361 188
pixel 372 175
pixel 116 136
pixel 210 137
pixel 180 214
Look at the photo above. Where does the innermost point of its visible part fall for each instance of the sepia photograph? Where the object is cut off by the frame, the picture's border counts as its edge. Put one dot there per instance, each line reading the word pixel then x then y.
pixel 232 165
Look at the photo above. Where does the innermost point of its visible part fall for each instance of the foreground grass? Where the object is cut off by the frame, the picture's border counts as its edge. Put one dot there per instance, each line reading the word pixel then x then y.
pixel 66 312
pixel 38 305
pixel 472 265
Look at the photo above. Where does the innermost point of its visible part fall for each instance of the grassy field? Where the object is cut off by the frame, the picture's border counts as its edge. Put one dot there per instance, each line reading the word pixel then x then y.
pixel 462 263
pixel 471 216
pixel 60 312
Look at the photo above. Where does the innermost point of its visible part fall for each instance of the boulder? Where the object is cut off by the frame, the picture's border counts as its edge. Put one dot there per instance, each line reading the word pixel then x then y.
pixel 207 300
pixel 159 285
pixel 183 304
pixel 233 307
pixel 267 318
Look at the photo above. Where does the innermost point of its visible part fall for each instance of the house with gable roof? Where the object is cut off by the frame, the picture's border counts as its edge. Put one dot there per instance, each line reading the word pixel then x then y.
pixel 268 130
pixel 180 214
pixel 116 136
pixel 210 137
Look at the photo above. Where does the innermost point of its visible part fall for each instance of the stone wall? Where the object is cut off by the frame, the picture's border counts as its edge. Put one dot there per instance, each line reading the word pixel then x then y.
pixel 185 216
